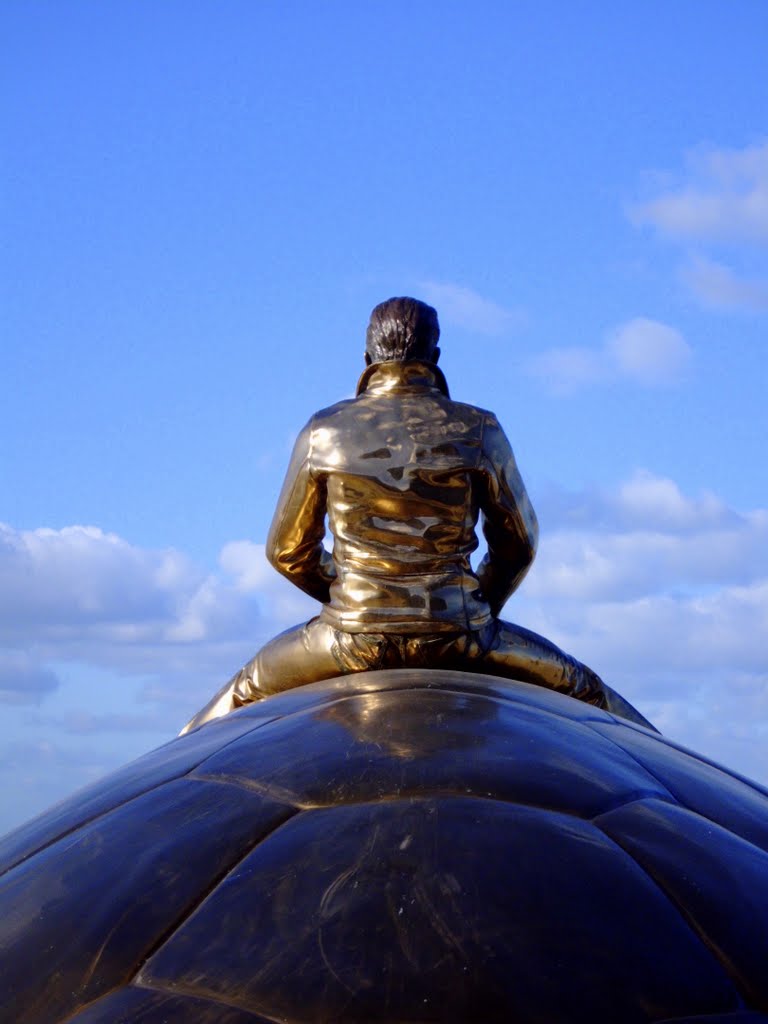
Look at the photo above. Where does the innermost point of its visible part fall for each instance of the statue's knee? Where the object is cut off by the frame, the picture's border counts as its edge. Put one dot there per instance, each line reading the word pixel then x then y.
pixel 590 687
pixel 246 687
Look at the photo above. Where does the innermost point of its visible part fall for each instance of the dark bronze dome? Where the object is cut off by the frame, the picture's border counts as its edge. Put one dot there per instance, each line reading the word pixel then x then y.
pixel 395 847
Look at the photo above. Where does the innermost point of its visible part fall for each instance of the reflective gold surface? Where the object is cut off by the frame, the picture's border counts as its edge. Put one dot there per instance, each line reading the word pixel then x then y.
pixel 409 847
pixel 403 475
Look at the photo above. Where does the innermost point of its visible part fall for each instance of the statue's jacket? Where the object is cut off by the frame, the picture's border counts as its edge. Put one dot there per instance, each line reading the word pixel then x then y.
pixel 403 473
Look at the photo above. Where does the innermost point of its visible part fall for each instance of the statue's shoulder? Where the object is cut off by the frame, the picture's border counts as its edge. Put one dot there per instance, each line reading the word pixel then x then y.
pixel 474 415
pixel 350 412
pixel 324 416
pixel 466 407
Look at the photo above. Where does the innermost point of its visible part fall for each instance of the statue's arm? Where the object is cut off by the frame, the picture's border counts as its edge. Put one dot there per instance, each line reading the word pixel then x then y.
pixel 295 541
pixel 508 520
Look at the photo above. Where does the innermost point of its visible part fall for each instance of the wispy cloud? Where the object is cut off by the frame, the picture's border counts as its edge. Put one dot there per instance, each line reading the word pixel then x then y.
pixel 647 351
pixel 642 351
pixel 716 285
pixel 719 202
pixel 463 307
pixel 723 196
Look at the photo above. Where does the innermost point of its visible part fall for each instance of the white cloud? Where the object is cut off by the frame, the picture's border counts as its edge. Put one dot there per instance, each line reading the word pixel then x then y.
pixel 64 576
pixel 568 369
pixel 643 351
pixel 724 197
pixel 667 636
pixel 80 582
pixel 463 307
pixel 664 594
pixel 246 563
pixel 646 537
pixel 155 615
pixel 80 595
pixel 721 200
pixel 716 285
pixel 648 352
pixel 587 565
pixel 664 591
pixel 658 502
pixel 103 639
pixel 644 500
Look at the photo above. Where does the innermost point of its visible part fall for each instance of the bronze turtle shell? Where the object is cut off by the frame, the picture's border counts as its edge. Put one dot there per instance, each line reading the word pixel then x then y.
pixel 400 847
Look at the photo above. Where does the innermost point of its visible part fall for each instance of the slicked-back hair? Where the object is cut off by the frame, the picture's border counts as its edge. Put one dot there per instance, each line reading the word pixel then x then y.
pixel 402 329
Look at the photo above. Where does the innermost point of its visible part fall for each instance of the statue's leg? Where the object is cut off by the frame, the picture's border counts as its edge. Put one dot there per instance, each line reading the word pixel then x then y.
pixel 303 654
pixel 227 699
pixel 519 653
pixel 523 654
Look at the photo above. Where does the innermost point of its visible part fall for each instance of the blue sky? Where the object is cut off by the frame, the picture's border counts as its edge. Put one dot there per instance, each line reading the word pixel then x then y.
pixel 200 203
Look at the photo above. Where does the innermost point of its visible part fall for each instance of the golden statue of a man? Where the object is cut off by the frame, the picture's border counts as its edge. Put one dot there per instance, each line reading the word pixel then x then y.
pixel 403 474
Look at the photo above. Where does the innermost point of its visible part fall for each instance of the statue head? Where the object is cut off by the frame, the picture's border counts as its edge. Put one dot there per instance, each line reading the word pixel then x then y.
pixel 401 330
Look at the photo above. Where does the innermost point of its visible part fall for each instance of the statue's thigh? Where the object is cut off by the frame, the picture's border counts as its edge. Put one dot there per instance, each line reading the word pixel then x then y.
pixel 519 653
pixel 298 656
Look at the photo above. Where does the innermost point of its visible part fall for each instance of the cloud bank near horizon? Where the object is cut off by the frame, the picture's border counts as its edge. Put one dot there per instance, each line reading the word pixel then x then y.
pixel 80 591
pixel 658 590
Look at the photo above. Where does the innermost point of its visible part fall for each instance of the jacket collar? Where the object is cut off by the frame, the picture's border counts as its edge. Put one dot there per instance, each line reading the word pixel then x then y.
pixel 398 376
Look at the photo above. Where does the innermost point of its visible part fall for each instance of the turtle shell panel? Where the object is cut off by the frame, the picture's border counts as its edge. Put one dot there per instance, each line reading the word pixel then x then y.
pixel 407 847
pixel 98 901
pixel 423 741
pixel 713 792
pixel 170 761
pixel 143 1006
pixel 743 1017
pixel 718 881
pixel 461 896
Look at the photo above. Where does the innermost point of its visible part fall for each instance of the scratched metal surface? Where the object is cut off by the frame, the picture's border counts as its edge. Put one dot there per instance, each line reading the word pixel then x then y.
pixel 396 846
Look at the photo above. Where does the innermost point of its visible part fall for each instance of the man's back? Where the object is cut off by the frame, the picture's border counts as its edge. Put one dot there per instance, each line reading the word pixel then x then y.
pixel 403 472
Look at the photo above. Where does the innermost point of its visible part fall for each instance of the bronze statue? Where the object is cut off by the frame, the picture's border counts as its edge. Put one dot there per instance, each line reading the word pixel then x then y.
pixel 403 473
pixel 405 845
